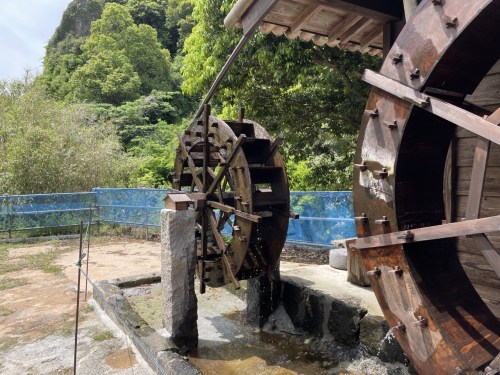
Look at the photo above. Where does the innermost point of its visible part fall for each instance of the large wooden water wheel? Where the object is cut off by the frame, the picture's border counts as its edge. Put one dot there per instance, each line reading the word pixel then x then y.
pixel 409 237
pixel 242 187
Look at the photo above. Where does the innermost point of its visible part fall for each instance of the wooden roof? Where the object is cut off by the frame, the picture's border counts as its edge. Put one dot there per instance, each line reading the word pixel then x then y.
pixel 355 25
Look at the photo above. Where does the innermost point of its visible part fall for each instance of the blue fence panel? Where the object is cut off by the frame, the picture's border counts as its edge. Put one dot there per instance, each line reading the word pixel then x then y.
pixel 44 211
pixel 138 207
pixel 324 216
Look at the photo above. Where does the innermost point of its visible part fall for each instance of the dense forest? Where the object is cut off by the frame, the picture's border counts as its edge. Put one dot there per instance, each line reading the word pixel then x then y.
pixel 122 78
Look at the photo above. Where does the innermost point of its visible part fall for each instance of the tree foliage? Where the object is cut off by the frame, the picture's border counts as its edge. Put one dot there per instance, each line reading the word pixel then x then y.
pixel 121 60
pixel 47 146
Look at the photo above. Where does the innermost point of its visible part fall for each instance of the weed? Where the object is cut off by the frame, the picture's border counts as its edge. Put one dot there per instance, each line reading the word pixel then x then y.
pixel 9 283
pixel 40 261
pixel 11 266
pixel 106 335
pixel 4 311
pixel 88 308
pixel 4 251
pixel 51 268
pixel 7 343
pixel 68 328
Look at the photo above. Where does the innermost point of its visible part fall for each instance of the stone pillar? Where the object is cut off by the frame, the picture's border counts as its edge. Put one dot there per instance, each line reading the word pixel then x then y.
pixel 178 262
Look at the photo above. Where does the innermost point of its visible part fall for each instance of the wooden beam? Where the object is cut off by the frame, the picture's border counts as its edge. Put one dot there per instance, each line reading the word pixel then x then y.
pixel 366 40
pixel 222 246
pixel 252 18
pixel 232 210
pixel 446 111
pixel 463 228
pixel 356 28
pixel 309 12
pixel 383 11
pixel 489 252
pixel 274 147
pixel 341 27
pixel 477 178
pixel 473 209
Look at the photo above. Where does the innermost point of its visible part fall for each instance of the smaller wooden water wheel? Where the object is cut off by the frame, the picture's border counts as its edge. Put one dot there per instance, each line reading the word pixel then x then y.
pixel 242 193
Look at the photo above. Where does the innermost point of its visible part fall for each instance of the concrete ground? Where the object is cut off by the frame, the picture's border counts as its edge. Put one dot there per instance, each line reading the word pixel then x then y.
pixel 38 301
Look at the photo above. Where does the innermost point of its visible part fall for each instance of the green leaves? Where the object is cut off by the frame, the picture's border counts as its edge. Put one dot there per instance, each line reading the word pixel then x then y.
pixel 106 77
pixel 49 147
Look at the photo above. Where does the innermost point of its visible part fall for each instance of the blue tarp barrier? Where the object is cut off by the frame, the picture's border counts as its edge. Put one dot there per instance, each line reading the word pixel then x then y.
pixel 324 216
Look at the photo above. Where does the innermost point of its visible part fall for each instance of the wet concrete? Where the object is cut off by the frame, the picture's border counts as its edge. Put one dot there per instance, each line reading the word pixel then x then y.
pixel 228 345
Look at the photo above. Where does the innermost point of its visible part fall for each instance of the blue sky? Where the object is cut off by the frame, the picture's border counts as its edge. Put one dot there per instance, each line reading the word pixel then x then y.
pixel 25 28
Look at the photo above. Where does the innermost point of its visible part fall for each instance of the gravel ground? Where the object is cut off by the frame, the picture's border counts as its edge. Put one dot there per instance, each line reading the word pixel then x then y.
pixel 309 255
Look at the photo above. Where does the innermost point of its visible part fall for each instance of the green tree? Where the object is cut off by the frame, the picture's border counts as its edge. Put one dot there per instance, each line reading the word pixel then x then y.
pixel 179 23
pixel 119 52
pixel 107 77
pixel 152 13
pixel 48 146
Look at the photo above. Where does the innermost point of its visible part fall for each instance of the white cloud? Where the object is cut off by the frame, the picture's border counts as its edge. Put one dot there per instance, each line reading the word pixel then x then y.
pixel 25 28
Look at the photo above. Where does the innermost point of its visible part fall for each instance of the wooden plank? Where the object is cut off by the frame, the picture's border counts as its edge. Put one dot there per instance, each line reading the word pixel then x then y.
pixel 341 27
pixel 369 38
pixel 488 251
pixel 358 27
pixel 192 167
pixel 309 12
pixel 232 210
pixel 490 187
pixel 478 270
pixel 469 227
pixel 442 109
pixel 478 174
pixel 465 152
pixel 383 11
pixel 241 139
pixel 254 15
pixel 489 295
pixel 222 246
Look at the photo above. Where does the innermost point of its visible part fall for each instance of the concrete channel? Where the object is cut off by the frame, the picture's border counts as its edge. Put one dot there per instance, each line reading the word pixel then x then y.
pixel 323 325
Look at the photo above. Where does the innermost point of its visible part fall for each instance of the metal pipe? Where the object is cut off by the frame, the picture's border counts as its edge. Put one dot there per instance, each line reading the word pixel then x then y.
pixel 88 251
pixel 78 264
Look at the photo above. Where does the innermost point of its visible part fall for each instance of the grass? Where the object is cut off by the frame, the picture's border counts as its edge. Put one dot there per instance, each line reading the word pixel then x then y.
pixel 41 261
pixel 7 343
pixel 4 311
pixel 88 308
pixel 11 266
pixel 102 336
pixel 68 328
pixel 9 283
pixel 4 251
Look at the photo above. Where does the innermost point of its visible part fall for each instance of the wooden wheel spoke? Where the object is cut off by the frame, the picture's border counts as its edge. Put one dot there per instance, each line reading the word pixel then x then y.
pixel 463 228
pixel 219 239
pixel 223 170
pixel 191 165
pixel 479 172
pixel 491 254
pixel 440 108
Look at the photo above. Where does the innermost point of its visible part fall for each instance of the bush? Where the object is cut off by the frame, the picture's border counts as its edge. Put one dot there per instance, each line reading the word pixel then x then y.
pixel 48 146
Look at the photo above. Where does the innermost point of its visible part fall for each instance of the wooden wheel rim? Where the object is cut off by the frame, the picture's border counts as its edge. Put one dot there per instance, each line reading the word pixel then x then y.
pixel 438 318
